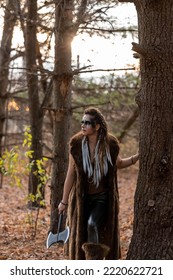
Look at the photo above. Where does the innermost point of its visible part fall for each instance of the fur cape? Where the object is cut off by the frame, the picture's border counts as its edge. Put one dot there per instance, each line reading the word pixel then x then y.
pixel 75 215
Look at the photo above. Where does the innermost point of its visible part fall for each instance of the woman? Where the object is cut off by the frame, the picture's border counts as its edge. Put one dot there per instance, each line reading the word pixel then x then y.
pixel 90 189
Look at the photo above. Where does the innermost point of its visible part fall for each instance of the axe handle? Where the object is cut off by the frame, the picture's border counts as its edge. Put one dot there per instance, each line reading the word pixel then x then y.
pixel 59 223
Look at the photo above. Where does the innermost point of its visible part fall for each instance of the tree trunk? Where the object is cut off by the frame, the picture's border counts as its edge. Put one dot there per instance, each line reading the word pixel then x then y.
pixel 61 102
pixel 5 51
pixel 153 218
pixel 36 114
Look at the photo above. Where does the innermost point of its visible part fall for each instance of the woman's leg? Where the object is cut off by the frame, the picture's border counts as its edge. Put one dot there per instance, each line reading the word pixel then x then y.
pixel 97 211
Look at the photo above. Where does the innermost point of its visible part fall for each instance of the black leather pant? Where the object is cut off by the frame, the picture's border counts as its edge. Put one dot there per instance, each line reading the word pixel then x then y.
pixel 96 206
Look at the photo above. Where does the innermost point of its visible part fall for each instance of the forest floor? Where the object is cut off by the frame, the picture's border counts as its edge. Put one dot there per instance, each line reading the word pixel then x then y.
pixel 23 232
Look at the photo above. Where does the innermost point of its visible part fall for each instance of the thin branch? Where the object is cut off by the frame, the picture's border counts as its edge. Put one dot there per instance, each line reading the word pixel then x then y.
pixel 36 68
pixel 75 72
pixel 139 50
pixel 129 123
pixel 103 88
pixel 46 3
pixel 17 55
pixel 109 30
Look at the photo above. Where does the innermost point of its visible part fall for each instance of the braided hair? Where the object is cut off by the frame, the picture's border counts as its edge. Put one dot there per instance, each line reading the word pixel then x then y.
pixel 98 118
pixel 103 150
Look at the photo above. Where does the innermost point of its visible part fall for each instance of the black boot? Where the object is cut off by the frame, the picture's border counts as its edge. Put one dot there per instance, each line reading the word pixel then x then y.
pixel 95 251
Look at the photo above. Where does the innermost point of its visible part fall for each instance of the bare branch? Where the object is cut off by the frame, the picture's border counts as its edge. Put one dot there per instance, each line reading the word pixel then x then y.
pixel 31 70
pixel 139 50
pixel 75 72
pixel 110 30
pixel 46 3
pixel 129 123
pixel 17 55
pixel 81 89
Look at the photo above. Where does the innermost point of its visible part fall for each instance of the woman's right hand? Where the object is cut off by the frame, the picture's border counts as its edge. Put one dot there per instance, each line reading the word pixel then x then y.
pixel 62 207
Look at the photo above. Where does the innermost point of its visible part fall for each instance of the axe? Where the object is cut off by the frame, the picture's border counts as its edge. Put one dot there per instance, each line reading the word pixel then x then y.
pixel 59 236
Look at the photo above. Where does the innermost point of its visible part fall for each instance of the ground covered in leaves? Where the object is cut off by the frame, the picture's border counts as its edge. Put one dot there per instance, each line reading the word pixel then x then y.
pixel 23 232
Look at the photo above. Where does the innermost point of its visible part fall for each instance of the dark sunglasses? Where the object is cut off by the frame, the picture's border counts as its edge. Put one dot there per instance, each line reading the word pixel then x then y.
pixel 86 122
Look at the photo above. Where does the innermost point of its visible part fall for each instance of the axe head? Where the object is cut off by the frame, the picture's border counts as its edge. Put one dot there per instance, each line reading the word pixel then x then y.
pixel 58 237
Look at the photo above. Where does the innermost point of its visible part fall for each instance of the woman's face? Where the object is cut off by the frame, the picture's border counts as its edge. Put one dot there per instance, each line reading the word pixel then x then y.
pixel 88 125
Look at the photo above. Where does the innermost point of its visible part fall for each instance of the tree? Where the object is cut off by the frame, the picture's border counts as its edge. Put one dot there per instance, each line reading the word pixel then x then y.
pixel 153 210
pixel 61 100
pixel 39 97
pixel 10 18
pixel 36 111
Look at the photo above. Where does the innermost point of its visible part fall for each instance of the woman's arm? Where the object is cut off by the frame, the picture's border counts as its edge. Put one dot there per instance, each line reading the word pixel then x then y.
pixel 125 162
pixel 67 185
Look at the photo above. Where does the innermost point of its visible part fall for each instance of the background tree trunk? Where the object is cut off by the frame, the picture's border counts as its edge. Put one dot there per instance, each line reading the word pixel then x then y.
pixel 61 102
pixel 153 219
pixel 36 114
pixel 5 51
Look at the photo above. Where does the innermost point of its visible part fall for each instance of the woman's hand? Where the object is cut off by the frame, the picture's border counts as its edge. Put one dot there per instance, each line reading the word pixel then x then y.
pixel 125 162
pixel 62 207
pixel 69 181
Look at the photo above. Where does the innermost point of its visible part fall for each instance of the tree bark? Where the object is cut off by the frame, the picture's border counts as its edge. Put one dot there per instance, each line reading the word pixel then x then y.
pixel 62 82
pixel 153 214
pixel 5 50
pixel 36 113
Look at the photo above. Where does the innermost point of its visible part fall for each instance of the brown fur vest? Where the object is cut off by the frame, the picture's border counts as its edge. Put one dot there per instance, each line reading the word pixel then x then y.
pixel 110 233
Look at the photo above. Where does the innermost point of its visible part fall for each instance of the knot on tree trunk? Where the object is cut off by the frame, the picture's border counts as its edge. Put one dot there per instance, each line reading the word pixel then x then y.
pixel 164 165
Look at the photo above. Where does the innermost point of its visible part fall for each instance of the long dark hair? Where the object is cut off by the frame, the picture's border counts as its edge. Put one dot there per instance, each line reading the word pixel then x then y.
pixel 98 118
